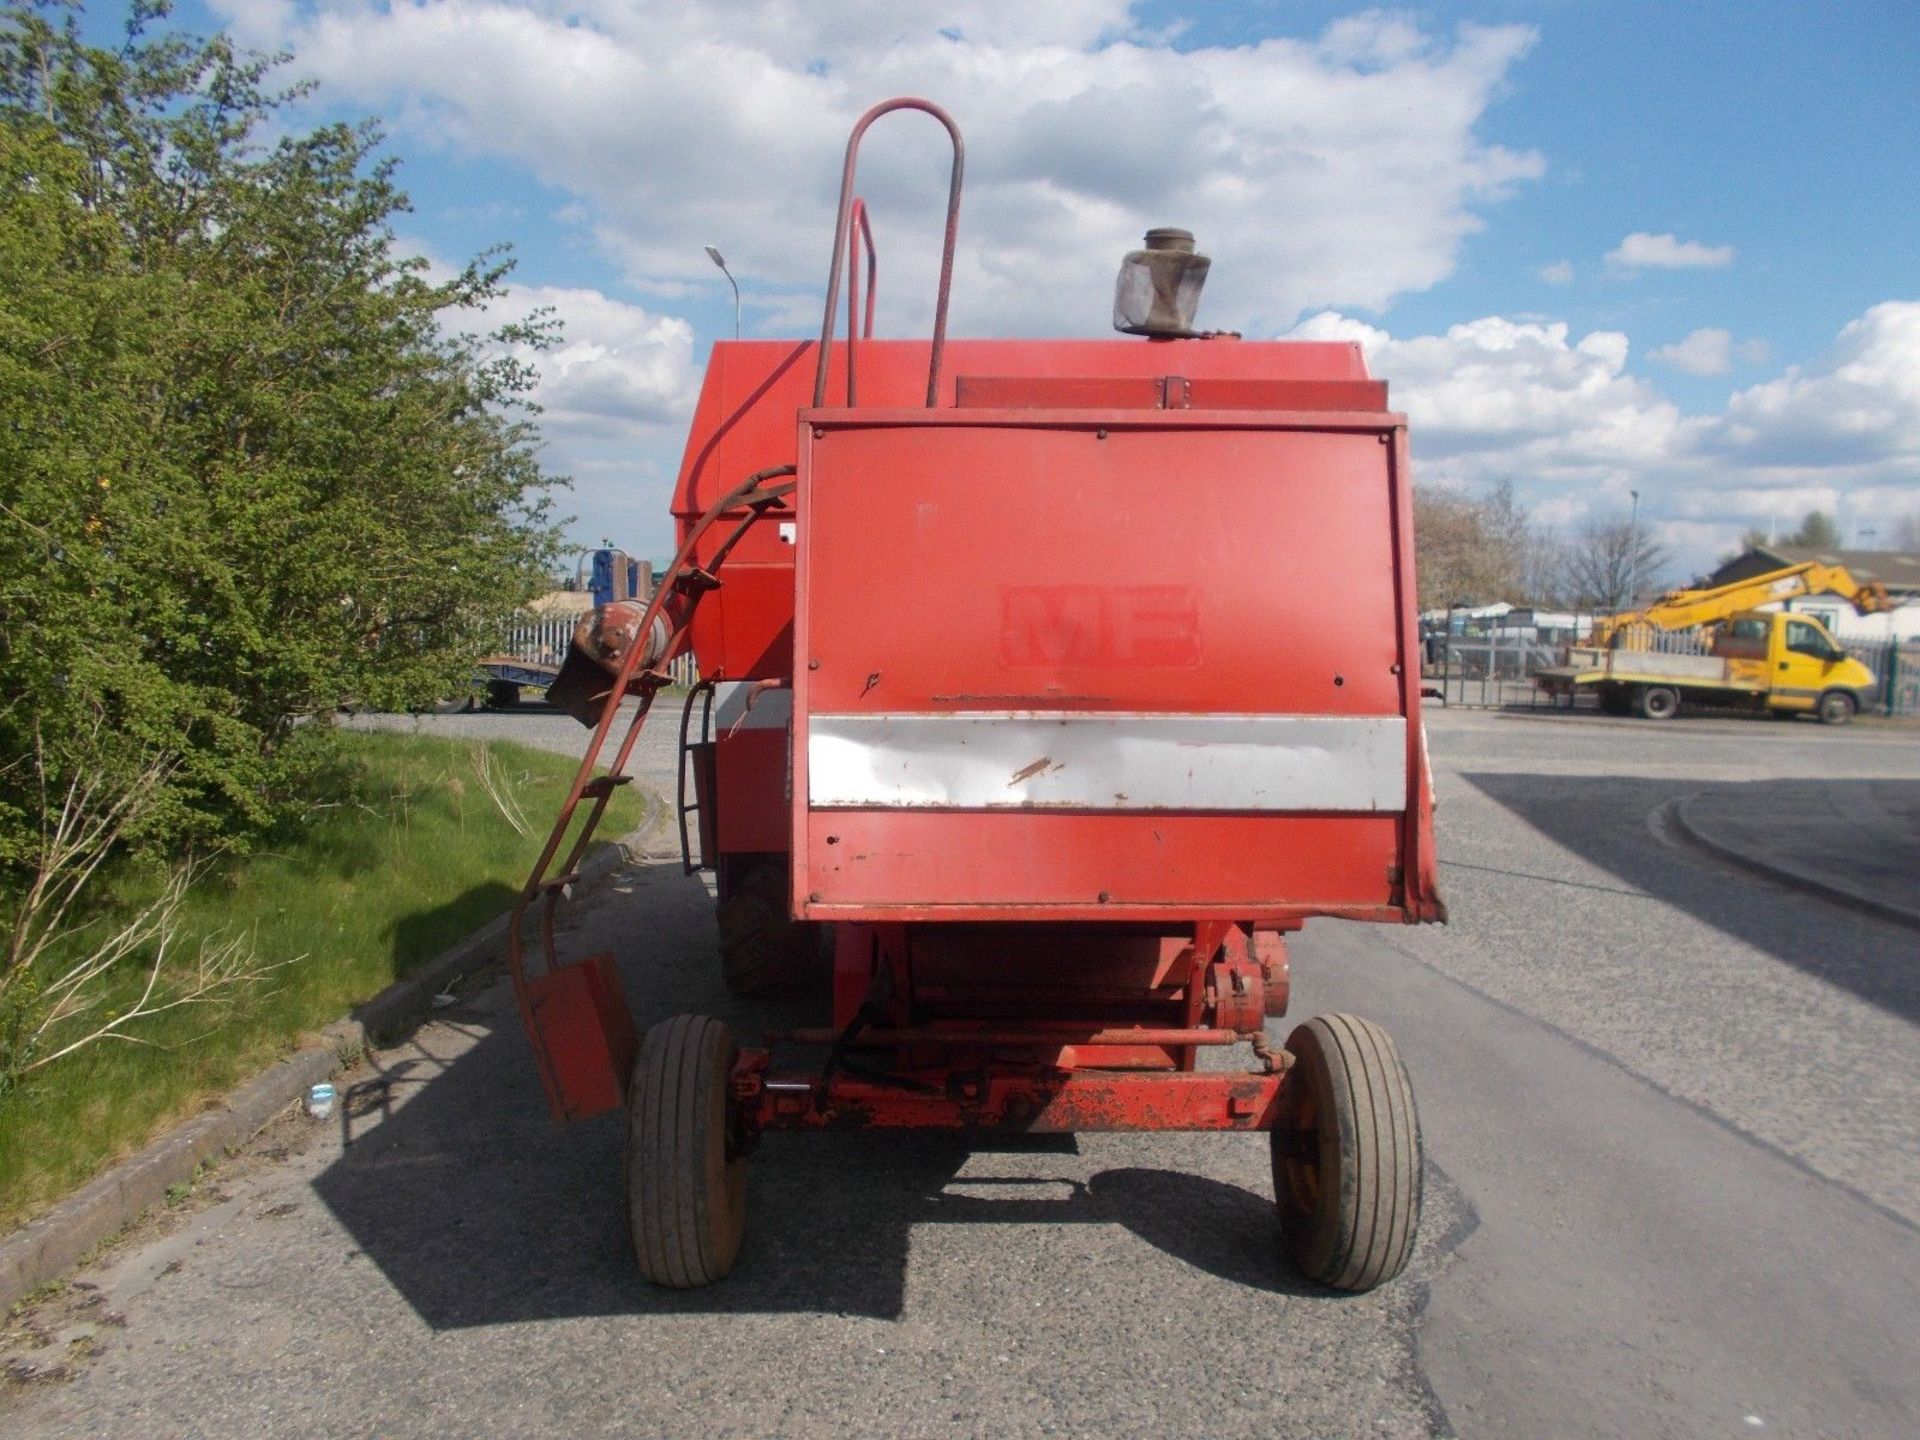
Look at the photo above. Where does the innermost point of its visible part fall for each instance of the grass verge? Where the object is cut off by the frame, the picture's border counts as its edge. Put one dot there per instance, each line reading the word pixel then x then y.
pixel 405 855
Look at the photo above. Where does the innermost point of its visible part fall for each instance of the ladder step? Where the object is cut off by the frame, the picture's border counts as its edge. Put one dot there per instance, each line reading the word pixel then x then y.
pixel 601 785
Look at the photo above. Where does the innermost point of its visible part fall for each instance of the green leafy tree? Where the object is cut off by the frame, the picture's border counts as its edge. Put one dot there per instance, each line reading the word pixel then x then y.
pixel 253 466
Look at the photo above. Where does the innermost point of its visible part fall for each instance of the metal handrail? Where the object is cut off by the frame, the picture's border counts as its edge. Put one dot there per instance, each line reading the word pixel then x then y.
pixel 864 228
pixel 843 223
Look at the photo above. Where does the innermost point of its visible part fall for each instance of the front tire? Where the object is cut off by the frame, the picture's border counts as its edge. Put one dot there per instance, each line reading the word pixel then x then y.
pixel 1837 707
pixel 686 1176
pixel 1346 1155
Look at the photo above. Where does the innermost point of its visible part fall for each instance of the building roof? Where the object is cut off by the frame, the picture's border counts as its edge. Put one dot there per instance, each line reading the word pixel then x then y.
pixel 1898 570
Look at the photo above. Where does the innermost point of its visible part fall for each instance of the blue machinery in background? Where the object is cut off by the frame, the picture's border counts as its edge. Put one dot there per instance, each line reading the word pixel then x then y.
pixel 614 575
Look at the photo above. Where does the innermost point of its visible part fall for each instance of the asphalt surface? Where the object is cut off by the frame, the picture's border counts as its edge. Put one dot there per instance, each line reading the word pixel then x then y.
pixel 1671 1112
pixel 1857 841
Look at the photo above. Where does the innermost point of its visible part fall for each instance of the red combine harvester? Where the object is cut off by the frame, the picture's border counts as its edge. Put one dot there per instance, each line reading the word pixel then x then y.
pixel 1048 685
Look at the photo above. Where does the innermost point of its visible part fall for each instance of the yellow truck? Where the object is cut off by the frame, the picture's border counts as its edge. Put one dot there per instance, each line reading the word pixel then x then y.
pixel 1712 647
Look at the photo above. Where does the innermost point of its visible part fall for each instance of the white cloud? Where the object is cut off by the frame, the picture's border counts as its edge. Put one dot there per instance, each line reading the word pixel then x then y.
pixel 1497 396
pixel 1560 417
pixel 617 370
pixel 1704 352
pixel 615 394
pixel 1711 351
pixel 1663 252
pixel 1560 272
pixel 1859 408
pixel 1345 169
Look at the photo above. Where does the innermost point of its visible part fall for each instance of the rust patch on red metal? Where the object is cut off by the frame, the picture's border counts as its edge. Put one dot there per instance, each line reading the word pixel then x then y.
pixel 1027 772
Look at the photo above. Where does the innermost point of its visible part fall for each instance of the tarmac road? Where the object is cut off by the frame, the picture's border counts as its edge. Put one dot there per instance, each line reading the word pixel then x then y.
pixel 1670 1109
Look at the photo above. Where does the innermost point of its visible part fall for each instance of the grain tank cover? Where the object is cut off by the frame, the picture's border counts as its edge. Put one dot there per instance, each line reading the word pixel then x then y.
pixel 1105 663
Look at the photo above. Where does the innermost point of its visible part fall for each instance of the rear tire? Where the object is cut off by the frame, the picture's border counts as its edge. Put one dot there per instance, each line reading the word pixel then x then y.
pixel 686 1180
pixel 1837 707
pixel 1346 1155
pixel 764 950
pixel 1656 702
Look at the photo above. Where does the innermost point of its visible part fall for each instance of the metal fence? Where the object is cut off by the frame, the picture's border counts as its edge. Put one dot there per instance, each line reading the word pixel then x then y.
pixel 543 640
pixel 1494 669
pixel 1896 669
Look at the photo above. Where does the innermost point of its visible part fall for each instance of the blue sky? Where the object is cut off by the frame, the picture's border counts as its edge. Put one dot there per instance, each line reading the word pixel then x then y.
pixel 1445 182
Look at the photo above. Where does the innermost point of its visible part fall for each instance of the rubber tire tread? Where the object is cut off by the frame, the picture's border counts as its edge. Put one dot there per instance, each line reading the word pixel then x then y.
pixel 1846 711
pixel 1647 711
pixel 682 1208
pixel 763 950
pixel 1370 1101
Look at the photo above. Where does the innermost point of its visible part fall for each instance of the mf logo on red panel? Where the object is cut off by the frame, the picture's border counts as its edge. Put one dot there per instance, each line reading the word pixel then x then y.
pixel 1143 626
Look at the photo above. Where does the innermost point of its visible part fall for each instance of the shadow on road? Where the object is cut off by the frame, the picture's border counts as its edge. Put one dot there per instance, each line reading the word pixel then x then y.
pixel 1604 820
pixel 479 1211
pixel 418 937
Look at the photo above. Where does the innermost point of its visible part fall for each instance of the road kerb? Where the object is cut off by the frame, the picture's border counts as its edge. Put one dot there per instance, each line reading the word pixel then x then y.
pixel 53 1243
pixel 1788 875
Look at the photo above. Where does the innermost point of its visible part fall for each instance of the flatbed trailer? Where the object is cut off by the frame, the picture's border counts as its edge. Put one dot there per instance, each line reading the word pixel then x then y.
pixel 503 677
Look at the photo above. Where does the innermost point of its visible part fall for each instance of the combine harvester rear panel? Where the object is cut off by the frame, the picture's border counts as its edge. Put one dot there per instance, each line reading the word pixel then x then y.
pixel 1047 686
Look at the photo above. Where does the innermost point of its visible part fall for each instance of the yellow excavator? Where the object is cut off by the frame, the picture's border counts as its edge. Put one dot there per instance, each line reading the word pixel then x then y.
pixel 1713 647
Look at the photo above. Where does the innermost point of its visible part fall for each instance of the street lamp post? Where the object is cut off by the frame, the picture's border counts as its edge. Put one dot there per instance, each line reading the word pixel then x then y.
pixel 1633 548
pixel 713 254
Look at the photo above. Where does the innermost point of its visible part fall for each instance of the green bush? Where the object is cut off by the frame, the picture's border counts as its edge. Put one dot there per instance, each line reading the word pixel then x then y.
pixel 251 467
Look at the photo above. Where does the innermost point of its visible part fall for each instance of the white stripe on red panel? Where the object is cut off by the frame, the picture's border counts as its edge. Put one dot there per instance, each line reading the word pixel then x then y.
pixel 1107 761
